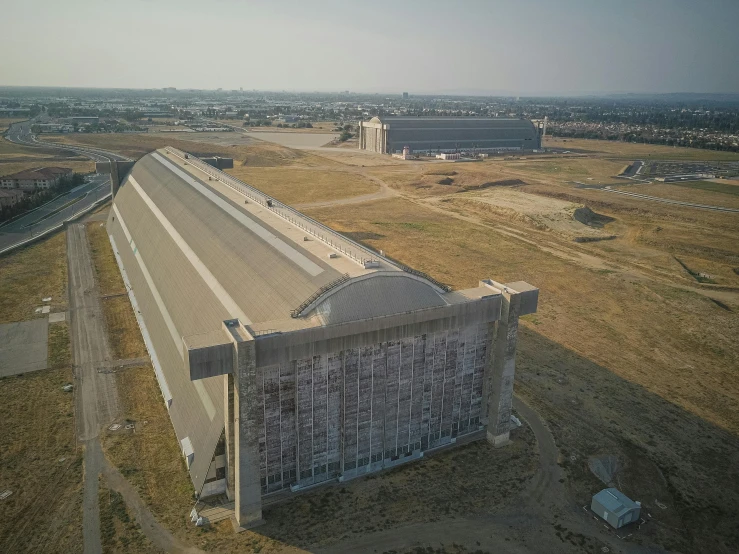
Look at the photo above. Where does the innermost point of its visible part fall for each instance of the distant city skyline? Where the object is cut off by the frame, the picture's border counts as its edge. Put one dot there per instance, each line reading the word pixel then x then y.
pixel 476 47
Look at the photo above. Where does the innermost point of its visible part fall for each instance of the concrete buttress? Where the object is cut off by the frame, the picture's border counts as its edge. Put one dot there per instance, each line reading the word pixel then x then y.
pixel 246 410
pixel 501 370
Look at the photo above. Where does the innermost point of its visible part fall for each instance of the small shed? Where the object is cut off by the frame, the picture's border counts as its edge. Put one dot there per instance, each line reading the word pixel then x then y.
pixel 615 507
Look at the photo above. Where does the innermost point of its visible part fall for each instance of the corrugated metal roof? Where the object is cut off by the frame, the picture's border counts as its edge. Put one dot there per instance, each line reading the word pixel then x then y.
pixel 615 501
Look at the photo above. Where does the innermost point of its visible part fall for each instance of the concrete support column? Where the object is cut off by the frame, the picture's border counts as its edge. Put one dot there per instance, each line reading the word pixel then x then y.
pixel 115 180
pixel 247 406
pixel 501 369
pixel 228 402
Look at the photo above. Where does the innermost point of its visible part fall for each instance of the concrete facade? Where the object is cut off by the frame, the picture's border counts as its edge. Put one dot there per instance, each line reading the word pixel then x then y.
pixel 372 395
pixel 309 367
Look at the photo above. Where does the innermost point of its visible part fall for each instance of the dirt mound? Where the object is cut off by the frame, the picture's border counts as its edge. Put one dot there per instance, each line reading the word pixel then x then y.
pixel 501 183
pixel 447 172
pixel 446 181
pixel 565 218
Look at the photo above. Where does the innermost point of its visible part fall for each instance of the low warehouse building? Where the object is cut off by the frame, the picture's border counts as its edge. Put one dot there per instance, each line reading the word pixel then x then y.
pixel 289 355
pixel 615 507
pixel 389 134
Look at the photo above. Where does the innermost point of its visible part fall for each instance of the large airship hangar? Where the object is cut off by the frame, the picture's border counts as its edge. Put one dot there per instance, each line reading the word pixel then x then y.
pixel 289 355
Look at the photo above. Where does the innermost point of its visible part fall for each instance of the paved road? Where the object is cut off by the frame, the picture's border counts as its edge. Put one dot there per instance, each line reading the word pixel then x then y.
pixel 633 170
pixel 52 214
pixel 668 201
pixel 43 220
pixel 20 133
pixel 96 401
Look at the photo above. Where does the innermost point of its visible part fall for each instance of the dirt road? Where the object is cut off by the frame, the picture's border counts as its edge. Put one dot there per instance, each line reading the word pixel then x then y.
pixel 96 402
pixel 157 534
pixel 384 192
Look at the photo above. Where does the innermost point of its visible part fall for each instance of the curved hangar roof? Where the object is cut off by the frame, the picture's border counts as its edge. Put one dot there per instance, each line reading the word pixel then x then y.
pixel 198 247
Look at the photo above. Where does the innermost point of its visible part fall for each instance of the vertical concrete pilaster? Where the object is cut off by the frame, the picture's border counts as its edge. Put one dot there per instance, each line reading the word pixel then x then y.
pixel 501 369
pixel 115 180
pixel 247 402
pixel 228 402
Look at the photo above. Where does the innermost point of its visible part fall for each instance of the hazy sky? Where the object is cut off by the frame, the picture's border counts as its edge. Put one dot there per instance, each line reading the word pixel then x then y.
pixel 477 46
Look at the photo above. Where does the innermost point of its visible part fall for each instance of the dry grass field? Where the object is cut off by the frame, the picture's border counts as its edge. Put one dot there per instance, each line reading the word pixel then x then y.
pixel 638 151
pixel 655 348
pixel 41 464
pixel 14 158
pixel 292 185
pixel 33 273
pixel 40 461
pixel 60 349
pixel 107 274
pixel 630 354
pixel 123 331
pixel 685 193
pixel 130 145
pixel 6 122
pixel 318 127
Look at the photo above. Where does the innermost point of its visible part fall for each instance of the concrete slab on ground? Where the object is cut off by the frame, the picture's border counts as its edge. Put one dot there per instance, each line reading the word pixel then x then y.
pixel 57 317
pixel 297 140
pixel 24 346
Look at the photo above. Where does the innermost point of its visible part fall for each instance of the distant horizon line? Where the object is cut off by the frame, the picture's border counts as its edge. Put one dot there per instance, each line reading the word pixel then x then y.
pixel 474 93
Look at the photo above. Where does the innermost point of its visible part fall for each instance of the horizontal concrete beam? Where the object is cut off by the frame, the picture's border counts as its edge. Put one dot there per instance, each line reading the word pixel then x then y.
pixel 219 163
pixel 124 167
pixel 528 294
pixel 208 355
pixel 283 347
